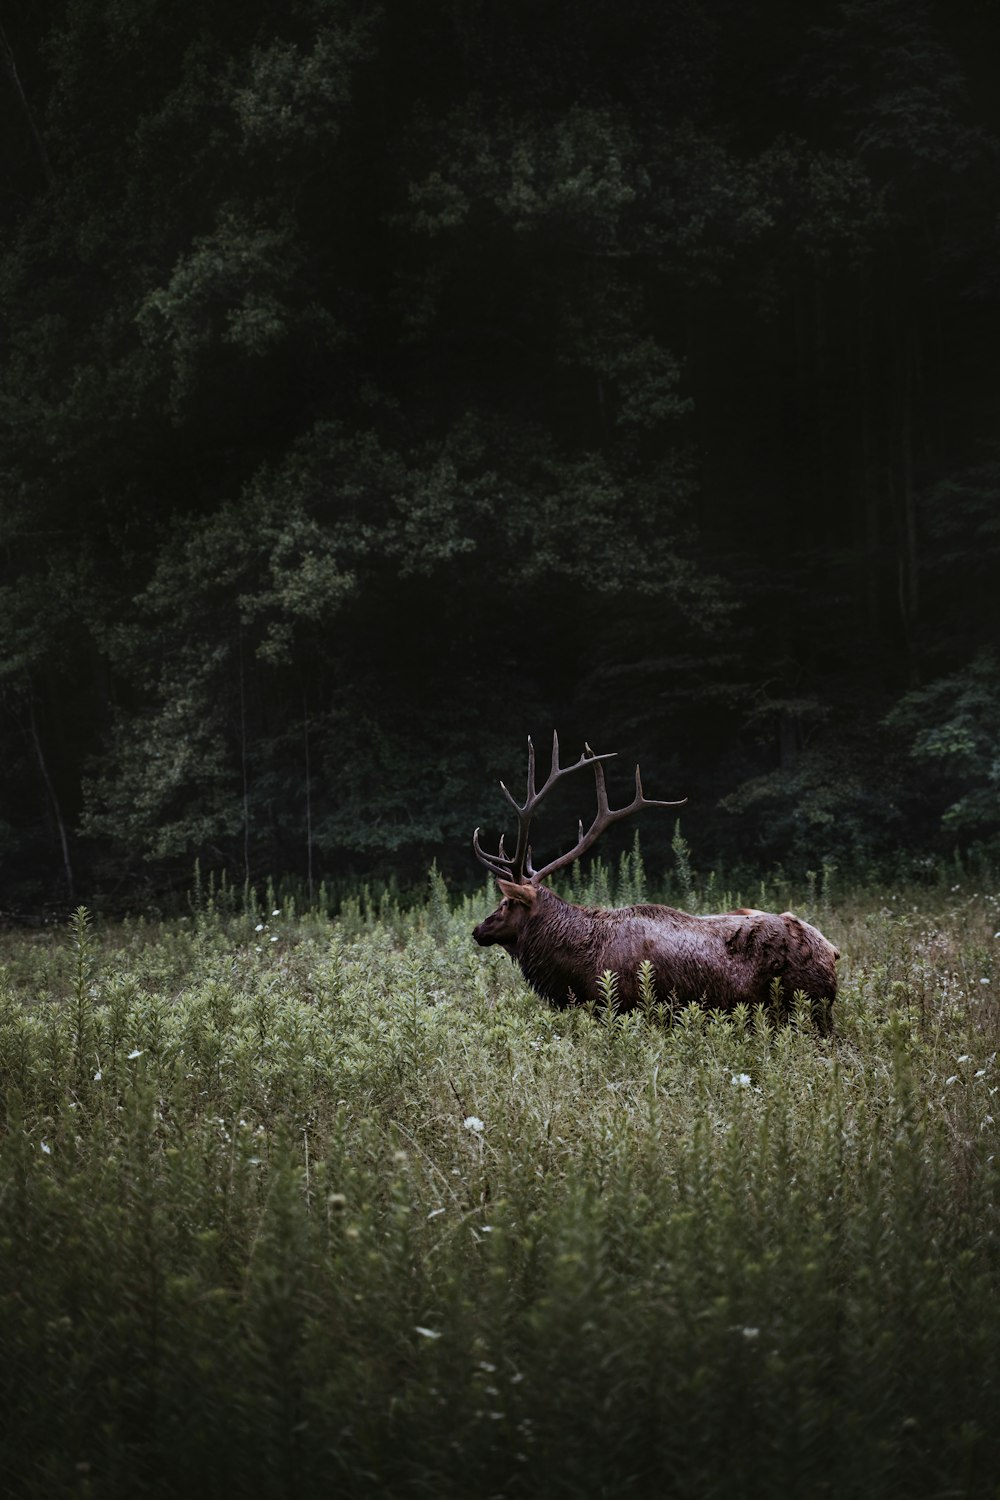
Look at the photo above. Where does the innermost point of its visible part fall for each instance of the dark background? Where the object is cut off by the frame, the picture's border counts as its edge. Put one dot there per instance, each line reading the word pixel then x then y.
pixel 381 383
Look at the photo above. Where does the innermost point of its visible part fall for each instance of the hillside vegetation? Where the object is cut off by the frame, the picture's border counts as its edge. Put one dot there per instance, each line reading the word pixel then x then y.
pixel 300 1205
pixel 382 383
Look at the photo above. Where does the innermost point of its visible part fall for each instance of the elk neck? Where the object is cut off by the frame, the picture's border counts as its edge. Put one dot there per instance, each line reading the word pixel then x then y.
pixel 558 946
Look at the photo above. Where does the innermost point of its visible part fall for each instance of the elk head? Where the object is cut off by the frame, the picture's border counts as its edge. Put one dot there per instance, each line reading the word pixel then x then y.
pixel 503 926
pixel 520 883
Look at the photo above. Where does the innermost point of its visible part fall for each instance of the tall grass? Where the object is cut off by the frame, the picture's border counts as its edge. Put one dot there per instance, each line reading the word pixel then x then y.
pixel 298 1206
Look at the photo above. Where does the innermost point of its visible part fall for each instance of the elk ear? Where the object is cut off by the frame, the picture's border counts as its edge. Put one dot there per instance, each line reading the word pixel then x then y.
pixel 525 894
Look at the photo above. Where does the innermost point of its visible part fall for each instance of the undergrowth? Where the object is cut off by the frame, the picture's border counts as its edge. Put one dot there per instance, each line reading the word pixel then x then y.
pixel 296 1205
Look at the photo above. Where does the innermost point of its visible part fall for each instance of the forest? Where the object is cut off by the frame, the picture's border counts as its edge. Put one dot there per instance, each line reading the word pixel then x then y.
pixel 382 383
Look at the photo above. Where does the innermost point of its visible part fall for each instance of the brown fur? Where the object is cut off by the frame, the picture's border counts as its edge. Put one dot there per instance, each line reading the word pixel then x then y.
pixel 713 961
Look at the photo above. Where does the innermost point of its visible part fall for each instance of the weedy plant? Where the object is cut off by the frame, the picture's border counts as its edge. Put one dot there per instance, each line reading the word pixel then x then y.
pixel 301 1205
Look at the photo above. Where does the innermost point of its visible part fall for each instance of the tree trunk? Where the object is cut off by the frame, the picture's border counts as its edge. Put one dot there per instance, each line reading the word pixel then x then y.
pixel 7 54
pixel 309 838
pixel 56 809
pixel 908 582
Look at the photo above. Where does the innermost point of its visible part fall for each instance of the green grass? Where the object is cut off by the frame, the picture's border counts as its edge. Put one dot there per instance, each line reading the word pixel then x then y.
pixel 254 1242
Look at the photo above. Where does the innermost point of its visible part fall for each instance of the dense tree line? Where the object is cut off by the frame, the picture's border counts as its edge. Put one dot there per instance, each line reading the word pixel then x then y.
pixel 380 382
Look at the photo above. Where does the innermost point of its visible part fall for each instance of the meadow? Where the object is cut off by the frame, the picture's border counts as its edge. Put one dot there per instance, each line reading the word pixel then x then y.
pixel 297 1204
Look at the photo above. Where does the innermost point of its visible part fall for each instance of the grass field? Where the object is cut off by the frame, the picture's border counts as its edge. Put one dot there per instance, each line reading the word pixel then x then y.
pixel 294 1206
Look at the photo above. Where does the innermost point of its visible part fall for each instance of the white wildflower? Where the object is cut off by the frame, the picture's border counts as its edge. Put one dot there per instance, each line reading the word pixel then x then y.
pixel 952 1079
pixel 136 1052
pixel 98 1076
pixel 259 927
pixel 46 1147
pixel 276 912
pixel 751 1333
pixel 741 1080
pixel 473 1122
pixel 984 980
pixel 965 1057
pixel 428 1333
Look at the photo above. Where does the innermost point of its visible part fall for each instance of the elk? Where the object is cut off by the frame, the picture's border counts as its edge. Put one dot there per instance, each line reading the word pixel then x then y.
pixel 716 961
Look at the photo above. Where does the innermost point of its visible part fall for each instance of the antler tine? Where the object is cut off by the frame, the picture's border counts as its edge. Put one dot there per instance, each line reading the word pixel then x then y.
pixel 603 809
pixel 530 792
pixel 522 853
pixel 497 864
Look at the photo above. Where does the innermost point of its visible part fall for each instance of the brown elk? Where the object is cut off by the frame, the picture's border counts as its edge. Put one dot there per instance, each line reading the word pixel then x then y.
pixel 714 961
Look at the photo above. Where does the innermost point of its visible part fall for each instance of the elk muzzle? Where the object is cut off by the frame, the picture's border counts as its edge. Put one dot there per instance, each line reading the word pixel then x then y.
pixel 495 929
pixel 482 935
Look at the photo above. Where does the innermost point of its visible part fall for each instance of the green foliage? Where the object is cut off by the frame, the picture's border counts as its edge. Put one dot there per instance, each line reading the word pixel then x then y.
pixel 300 1202
pixel 915 102
pixel 630 886
pixel 172 784
pixel 231 288
pixel 293 93
pixel 682 859
pixel 647 987
pixel 954 723
pixel 841 802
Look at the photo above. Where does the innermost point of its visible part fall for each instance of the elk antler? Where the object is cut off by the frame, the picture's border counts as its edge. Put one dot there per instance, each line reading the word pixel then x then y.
pixel 516 866
pixel 519 867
